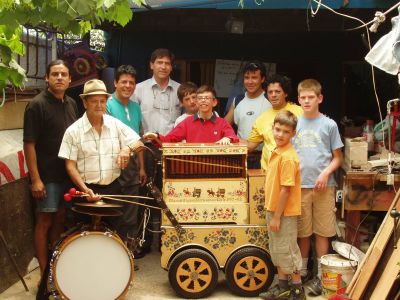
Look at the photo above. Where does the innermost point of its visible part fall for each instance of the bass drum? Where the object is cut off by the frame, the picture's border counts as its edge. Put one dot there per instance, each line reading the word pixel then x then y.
pixel 91 265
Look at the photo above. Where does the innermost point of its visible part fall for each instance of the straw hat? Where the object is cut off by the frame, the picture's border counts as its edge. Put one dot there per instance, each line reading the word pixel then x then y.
pixel 94 87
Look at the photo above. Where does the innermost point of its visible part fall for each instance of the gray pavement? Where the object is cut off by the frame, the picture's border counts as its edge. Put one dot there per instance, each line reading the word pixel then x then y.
pixel 150 282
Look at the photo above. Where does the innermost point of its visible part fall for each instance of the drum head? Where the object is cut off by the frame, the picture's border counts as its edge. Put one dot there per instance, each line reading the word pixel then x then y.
pixel 93 266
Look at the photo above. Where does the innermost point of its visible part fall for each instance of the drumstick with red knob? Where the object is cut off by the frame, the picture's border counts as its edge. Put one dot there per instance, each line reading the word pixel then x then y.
pixel 75 193
pixel 72 192
pixel 67 197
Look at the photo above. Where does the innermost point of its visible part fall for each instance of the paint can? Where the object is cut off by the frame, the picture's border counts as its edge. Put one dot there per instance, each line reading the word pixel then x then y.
pixel 337 273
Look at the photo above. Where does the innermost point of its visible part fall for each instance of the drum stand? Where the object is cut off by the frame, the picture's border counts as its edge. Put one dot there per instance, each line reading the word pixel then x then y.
pixel 97 210
pixel 96 222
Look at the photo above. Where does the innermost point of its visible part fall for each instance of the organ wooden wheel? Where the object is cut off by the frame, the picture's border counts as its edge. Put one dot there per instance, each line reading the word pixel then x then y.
pixel 193 273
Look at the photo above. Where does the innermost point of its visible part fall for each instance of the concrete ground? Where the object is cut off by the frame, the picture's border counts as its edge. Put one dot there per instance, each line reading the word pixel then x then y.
pixel 150 282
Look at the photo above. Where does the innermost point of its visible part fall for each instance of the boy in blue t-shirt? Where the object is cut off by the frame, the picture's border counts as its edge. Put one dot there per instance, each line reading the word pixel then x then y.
pixel 318 143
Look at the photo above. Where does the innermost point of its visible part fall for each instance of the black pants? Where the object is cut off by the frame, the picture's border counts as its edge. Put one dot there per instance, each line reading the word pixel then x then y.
pixel 254 160
pixel 152 160
pixel 128 224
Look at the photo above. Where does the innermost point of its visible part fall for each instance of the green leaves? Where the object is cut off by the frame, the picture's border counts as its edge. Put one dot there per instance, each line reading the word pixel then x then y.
pixel 85 26
pixel 10 44
pixel 139 2
pixel 12 73
pixel 6 4
pixel 5 54
pixel 108 3
pixel 77 8
pixel 120 13
pixel 75 16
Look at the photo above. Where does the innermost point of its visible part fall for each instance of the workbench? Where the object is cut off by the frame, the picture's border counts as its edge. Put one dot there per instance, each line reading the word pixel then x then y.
pixel 364 191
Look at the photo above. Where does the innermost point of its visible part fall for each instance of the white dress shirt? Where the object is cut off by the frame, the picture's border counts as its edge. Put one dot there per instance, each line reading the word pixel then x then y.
pixel 96 155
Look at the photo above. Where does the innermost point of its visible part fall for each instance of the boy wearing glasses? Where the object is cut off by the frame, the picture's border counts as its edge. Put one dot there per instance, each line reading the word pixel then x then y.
pixel 202 127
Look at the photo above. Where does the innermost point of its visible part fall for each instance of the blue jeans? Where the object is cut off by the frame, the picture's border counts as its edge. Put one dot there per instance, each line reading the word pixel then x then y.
pixel 55 197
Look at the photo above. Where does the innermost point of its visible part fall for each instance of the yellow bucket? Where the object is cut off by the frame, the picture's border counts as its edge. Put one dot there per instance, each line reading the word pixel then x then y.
pixel 337 273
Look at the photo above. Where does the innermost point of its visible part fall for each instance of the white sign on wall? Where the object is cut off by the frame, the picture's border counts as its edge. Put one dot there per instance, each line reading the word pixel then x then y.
pixel 227 71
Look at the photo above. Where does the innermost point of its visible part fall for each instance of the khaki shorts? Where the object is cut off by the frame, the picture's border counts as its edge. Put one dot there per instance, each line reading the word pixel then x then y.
pixel 318 213
pixel 285 252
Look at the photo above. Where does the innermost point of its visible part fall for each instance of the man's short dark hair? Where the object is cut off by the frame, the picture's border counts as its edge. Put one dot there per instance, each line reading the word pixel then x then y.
pixel 284 82
pixel 185 89
pixel 125 69
pixel 55 63
pixel 253 66
pixel 162 52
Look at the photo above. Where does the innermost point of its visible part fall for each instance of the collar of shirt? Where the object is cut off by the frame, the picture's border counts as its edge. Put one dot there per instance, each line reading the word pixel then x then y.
pixel 114 96
pixel 280 150
pixel 51 98
pixel 87 126
pixel 154 83
pixel 212 119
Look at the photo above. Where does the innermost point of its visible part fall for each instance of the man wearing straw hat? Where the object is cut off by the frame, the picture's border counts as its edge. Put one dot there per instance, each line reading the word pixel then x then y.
pixel 97 146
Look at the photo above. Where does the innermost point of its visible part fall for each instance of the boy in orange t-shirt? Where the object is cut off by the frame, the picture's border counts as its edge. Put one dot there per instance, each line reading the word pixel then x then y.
pixel 283 205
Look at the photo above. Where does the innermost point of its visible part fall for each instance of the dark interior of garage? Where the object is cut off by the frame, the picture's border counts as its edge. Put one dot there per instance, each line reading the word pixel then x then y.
pixel 302 46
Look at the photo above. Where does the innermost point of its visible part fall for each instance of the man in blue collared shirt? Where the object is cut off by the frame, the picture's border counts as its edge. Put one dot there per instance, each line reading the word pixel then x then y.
pixel 158 100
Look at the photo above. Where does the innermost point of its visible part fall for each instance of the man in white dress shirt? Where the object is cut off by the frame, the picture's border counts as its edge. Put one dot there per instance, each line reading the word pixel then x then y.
pixel 97 146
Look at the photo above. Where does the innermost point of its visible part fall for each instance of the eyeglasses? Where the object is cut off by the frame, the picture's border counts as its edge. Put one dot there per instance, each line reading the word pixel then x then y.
pixel 206 98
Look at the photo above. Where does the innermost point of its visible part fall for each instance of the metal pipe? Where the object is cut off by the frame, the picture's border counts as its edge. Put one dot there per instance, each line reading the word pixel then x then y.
pixel 37 53
pixel 54 47
pixel 395 214
pixel 27 51
pixel 388 107
pixel 46 50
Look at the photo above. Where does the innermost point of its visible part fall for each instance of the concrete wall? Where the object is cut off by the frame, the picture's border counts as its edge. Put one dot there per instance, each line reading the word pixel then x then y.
pixel 16 223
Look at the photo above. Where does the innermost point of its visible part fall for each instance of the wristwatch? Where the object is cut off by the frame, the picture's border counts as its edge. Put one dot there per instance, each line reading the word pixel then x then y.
pixel 131 152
